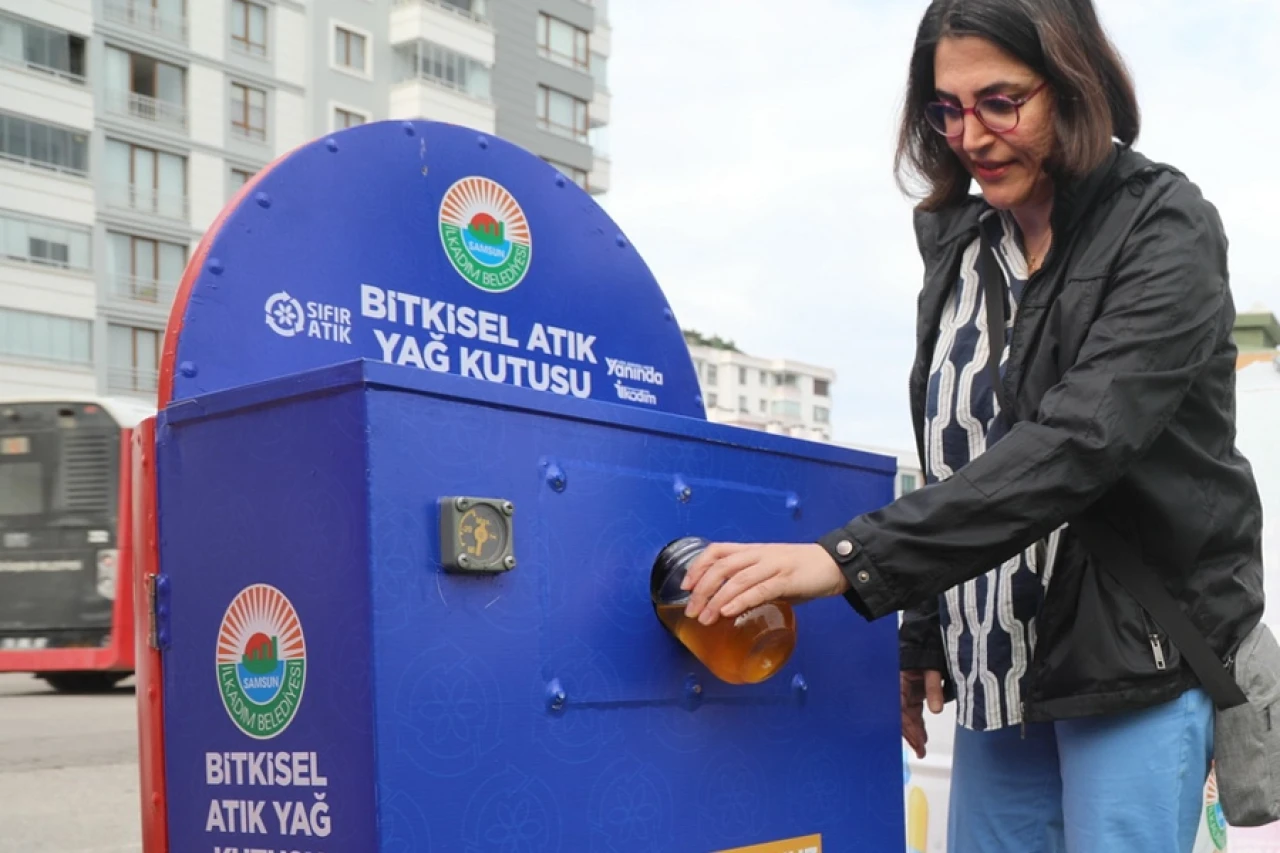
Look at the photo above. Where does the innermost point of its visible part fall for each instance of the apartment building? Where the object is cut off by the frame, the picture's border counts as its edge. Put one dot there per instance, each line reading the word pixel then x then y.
pixel 126 126
pixel 769 394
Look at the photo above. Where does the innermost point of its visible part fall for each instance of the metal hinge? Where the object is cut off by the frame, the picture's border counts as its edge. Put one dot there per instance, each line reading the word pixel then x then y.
pixel 157 611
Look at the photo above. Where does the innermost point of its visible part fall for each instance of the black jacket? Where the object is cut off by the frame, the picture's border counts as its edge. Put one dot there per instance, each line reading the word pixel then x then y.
pixel 1122 374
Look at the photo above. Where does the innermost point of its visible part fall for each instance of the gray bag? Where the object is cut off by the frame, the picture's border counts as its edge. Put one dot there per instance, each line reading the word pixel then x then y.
pixel 1246 738
pixel 1245 690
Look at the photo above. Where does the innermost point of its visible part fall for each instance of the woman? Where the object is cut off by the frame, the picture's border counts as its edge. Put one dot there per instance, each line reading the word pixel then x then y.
pixel 1080 726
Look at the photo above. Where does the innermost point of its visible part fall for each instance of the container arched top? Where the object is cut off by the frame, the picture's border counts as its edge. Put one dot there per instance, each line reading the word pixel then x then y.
pixel 433 246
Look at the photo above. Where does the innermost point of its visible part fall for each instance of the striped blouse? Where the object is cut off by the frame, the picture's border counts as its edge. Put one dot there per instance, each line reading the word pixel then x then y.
pixel 989 623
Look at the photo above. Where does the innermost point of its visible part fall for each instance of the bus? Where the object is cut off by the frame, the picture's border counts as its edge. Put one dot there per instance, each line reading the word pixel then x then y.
pixel 66 608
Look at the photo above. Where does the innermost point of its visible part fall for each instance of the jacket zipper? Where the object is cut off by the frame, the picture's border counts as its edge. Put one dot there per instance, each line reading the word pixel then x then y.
pixel 1157 651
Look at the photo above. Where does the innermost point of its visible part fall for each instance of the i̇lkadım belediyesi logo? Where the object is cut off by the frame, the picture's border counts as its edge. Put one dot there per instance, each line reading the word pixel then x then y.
pixel 485 234
pixel 261 661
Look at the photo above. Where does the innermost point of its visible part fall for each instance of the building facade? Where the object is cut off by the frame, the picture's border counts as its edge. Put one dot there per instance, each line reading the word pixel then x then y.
pixel 126 126
pixel 1257 335
pixel 772 395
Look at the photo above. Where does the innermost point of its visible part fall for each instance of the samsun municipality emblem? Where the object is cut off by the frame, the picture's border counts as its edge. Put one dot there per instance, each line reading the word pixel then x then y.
pixel 261 661
pixel 485 234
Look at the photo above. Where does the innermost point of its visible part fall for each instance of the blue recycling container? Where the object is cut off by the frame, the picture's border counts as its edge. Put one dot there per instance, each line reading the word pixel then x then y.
pixel 426 421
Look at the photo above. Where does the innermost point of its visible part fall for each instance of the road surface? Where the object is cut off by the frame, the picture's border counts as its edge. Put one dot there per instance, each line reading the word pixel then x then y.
pixel 68 770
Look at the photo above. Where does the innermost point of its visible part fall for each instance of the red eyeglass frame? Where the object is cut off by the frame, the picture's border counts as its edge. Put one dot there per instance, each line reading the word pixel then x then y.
pixel 1018 104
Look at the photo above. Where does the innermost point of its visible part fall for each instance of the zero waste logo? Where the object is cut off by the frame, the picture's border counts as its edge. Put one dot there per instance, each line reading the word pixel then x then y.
pixel 284 315
pixel 485 234
pixel 261 661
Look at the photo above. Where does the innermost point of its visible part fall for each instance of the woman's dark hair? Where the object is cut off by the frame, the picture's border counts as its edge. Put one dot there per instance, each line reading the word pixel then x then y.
pixel 1062 41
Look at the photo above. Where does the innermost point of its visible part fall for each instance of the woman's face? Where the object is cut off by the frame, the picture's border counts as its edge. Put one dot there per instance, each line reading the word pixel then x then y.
pixel 1009 167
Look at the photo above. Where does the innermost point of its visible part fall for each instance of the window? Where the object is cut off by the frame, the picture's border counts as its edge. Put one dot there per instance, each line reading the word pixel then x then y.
pixel 822 387
pixel 444 67
pixel 742 376
pixel 786 408
pixel 248 111
pixel 578 176
pixel 249 27
pixel 146 180
pixel 785 380
pixel 562 114
pixel 165 18
pixel 713 375
pixel 599 71
pixel 764 406
pixel 133 358
pixel 712 401
pixel 37 242
pixel 349 50
pixel 39 144
pixel 764 378
pixel 346 118
pixel 821 415
pixel 42 48
pixel 742 405
pixel 907 483
pixel 45 337
pixel 563 42
pixel 239 177
pixel 474 8
pixel 142 269
pixel 146 88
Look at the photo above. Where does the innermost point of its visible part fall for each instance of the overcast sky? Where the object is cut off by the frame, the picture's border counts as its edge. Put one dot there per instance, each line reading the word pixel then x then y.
pixel 752 143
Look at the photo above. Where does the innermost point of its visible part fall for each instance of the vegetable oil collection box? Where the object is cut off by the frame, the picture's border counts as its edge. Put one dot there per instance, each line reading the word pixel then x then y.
pixel 426 424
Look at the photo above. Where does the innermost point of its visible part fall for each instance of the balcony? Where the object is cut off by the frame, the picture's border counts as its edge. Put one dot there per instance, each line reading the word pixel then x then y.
pixel 602 37
pixel 428 98
pixel 134 381
pixel 164 113
pixel 449 25
pixel 147 200
pixel 142 292
pixel 139 15
pixel 598 182
pixel 601 103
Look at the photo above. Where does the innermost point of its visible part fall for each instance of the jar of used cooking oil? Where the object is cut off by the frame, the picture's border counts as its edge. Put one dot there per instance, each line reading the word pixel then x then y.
pixel 746 650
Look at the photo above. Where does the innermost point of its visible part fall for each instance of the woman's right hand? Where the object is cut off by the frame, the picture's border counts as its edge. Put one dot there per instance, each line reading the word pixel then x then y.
pixel 919 685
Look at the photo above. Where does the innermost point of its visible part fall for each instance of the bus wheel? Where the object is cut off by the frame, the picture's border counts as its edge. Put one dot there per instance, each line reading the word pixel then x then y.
pixel 83 682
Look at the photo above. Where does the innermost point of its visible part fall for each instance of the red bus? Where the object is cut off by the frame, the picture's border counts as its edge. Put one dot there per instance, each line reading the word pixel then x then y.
pixel 66 590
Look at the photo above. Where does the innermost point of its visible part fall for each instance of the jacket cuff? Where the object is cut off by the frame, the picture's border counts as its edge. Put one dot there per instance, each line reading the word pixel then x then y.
pixel 917 658
pixel 870 593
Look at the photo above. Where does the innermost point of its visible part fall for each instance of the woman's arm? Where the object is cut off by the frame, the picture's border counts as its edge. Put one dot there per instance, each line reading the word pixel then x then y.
pixel 1161 320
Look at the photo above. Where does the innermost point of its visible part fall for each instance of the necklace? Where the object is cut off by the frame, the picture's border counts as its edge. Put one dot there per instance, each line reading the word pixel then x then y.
pixel 1034 258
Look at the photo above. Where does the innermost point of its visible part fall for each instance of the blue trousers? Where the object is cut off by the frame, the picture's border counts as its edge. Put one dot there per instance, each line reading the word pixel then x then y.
pixel 1131 782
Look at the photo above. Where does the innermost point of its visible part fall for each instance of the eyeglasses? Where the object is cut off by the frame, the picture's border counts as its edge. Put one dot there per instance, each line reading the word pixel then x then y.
pixel 998 113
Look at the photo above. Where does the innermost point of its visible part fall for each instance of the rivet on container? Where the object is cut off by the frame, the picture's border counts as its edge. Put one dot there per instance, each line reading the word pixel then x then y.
pixel 263 200
pixel 556 696
pixel 682 490
pixel 555 476
pixel 408 128
pixel 800 689
pixel 793 504
pixel 187 369
pixel 692 694
pixel 214 266
pixel 331 144
pixel 482 141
